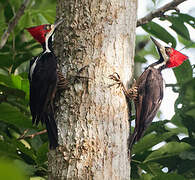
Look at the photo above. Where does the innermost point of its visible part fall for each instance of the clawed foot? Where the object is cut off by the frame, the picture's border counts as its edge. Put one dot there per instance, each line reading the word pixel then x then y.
pixel 78 77
pixel 132 93
pixel 117 80
pixel 63 83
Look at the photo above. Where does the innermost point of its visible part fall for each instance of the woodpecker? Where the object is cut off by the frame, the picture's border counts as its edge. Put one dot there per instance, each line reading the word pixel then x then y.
pixel 44 80
pixel 147 91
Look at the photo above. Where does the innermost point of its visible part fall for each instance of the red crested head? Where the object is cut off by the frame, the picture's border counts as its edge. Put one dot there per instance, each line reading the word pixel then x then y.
pixel 169 57
pixel 175 57
pixel 39 32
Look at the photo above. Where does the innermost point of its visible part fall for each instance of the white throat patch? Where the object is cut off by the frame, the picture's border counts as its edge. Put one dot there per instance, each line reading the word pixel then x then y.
pixel 33 67
pixel 48 35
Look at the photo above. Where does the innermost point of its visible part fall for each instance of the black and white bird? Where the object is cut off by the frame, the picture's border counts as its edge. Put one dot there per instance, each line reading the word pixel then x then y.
pixel 44 80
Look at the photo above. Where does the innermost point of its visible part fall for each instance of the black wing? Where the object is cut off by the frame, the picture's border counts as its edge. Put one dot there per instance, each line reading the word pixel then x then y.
pixel 150 95
pixel 42 91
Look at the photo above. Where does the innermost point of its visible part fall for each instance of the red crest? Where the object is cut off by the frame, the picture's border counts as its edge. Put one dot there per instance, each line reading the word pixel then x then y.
pixel 175 58
pixel 39 32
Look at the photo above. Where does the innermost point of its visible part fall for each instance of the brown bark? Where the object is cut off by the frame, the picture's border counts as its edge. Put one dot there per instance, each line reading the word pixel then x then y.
pixel 92 118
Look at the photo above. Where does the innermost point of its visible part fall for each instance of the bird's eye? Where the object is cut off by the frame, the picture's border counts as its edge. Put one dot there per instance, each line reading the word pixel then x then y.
pixel 47 27
pixel 168 50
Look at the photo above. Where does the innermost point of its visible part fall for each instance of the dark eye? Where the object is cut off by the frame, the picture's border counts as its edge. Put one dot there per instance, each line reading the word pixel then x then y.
pixel 47 27
pixel 168 50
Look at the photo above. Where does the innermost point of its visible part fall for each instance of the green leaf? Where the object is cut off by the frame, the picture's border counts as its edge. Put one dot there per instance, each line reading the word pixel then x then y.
pixel 170 176
pixel 41 19
pixel 5 60
pixel 9 171
pixel 42 154
pixel 12 115
pixel 140 59
pixel 8 13
pixel 27 169
pixel 191 112
pixel 37 178
pixel 155 168
pixel 15 4
pixel 168 150
pixel 149 141
pixel 187 43
pixel 179 27
pixel 25 21
pixel 8 149
pixel 14 82
pixel 185 18
pixel 11 91
pixel 158 126
pixel 186 69
pixel 146 176
pixel 188 155
pixel 159 32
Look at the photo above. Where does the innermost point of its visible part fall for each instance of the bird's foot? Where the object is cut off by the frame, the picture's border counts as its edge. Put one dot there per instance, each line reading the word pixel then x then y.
pixel 115 76
pixel 133 91
pixel 63 83
pixel 118 82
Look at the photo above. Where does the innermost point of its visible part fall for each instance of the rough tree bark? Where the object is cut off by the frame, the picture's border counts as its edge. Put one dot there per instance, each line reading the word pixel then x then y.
pixel 92 118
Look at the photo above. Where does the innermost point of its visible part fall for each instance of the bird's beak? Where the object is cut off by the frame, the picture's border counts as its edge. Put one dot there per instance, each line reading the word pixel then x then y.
pixel 58 23
pixel 158 45
pixel 161 49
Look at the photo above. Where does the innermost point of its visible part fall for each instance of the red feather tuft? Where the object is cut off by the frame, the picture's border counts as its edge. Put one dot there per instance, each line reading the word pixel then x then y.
pixel 38 32
pixel 175 58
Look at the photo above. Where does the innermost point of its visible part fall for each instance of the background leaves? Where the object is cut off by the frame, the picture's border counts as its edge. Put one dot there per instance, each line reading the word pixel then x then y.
pixel 25 158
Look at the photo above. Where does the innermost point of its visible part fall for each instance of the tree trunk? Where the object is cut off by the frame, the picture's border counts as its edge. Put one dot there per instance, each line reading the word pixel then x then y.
pixel 92 118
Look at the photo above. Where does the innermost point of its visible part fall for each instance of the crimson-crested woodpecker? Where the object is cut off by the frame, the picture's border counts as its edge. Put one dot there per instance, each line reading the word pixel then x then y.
pixel 147 91
pixel 43 78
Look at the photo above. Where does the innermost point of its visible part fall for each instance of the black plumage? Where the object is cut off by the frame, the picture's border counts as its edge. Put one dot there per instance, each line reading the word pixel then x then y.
pixel 42 92
pixel 45 81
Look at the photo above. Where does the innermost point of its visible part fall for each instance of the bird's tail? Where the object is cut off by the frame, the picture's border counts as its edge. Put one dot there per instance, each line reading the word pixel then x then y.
pixel 51 130
pixel 132 139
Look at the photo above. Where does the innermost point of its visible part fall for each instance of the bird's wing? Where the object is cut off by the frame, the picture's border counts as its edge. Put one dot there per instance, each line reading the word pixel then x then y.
pixel 150 94
pixel 42 87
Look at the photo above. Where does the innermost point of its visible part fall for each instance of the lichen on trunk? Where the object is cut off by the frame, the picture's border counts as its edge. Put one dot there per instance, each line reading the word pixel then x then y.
pixel 92 118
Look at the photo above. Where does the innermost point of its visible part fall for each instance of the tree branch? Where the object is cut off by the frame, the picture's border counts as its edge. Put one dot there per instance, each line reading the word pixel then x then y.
pixel 159 12
pixel 13 23
pixel 23 136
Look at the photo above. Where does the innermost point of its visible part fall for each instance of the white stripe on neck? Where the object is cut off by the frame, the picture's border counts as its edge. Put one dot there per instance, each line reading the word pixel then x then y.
pixel 33 67
pixel 159 65
pixel 48 35
pixel 47 46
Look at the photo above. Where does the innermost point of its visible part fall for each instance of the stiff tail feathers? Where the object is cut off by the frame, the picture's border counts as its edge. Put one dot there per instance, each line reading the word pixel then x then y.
pixel 51 130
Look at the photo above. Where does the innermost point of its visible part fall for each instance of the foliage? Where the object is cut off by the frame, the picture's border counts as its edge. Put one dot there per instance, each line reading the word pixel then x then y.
pixel 28 157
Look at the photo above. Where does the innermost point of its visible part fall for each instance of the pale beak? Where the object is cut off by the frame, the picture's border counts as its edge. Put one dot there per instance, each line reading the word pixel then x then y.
pixel 58 23
pixel 161 49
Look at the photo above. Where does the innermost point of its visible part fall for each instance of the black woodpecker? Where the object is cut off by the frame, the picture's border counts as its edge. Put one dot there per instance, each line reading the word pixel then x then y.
pixel 44 81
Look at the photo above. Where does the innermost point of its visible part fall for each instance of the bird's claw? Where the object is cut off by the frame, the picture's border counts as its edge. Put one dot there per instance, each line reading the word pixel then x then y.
pixel 115 77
